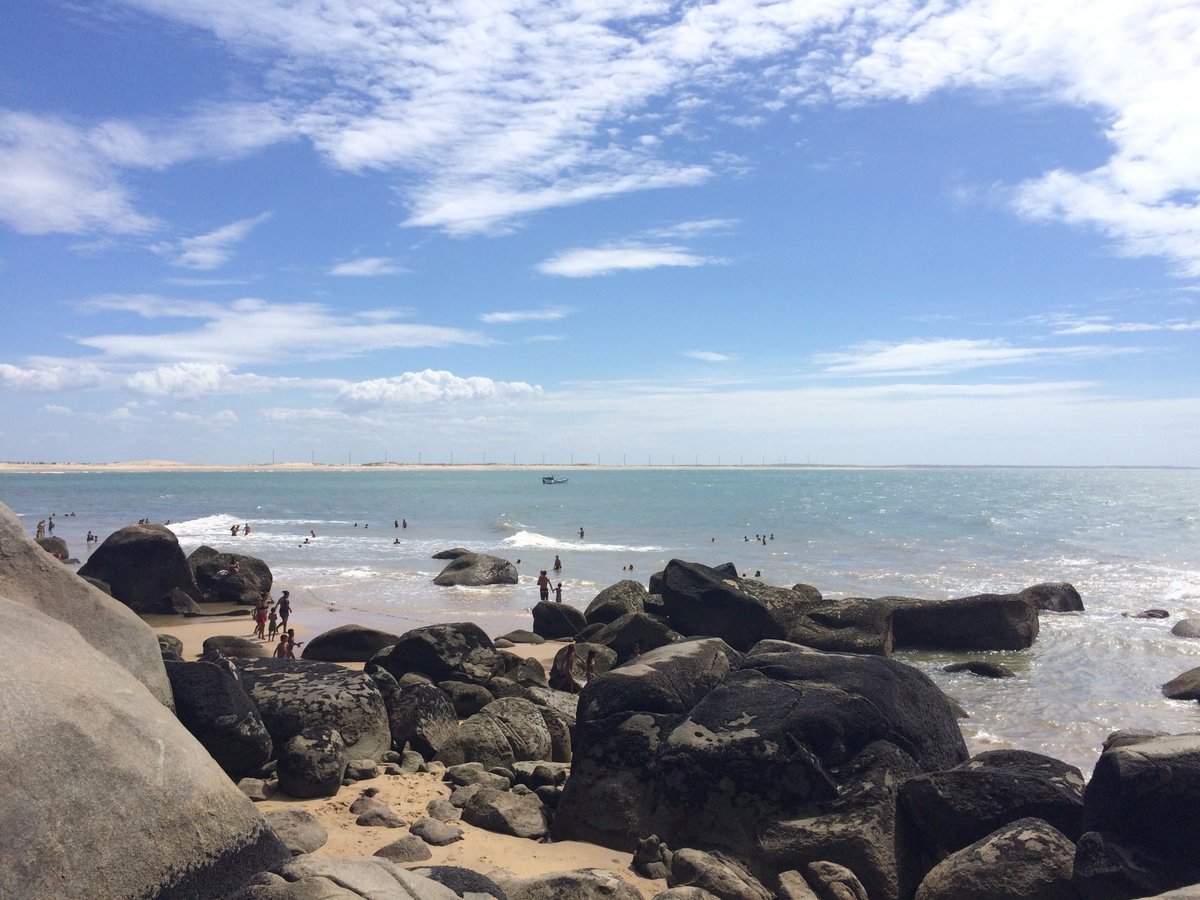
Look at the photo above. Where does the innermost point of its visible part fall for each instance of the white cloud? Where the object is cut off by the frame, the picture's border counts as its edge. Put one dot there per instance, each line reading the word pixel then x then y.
pixel 211 250
pixel 709 356
pixel 55 409
pixel 189 379
pixel 51 375
pixel 585 262
pixel 367 266
pixel 254 332
pixel 546 314
pixel 429 386
pixel 221 419
pixel 940 357
pixel 1106 325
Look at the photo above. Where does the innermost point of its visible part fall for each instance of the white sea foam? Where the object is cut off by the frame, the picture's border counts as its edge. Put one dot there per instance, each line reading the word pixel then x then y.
pixel 531 540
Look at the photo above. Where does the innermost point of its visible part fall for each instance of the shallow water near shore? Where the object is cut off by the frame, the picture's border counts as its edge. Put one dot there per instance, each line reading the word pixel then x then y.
pixel 1127 539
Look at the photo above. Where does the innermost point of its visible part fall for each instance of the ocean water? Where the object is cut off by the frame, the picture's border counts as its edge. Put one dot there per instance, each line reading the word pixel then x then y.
pixel 1127 539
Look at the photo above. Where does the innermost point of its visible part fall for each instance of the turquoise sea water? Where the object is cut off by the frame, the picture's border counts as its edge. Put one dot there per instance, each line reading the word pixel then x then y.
pixel 1127 539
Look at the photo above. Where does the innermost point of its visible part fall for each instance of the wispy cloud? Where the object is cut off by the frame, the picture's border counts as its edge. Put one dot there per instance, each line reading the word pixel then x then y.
pixel 211 250
pixel 250 331
pixel 1063 325
pixel 429 386
pixel 586 262
pixel 709 356
pixel 941 357
pixel 517 316
pixel 368 266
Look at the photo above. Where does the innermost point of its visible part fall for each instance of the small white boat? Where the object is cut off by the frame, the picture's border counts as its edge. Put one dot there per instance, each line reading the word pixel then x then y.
pixel 553 479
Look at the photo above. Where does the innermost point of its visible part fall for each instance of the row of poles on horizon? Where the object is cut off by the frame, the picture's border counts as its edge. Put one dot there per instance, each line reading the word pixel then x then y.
pixel 624 460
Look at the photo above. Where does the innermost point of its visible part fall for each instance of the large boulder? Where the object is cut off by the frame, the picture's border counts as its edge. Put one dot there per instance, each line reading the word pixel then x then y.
pixel 236 647
pixel 557 620
pixel 423 718
pixel 506 813
pixel 457 651
pixel 142 564
pixel 1183 687
pixel 853 625
pixel 212 704
pixel 699 600
pixel 635 633
pixel 312 763
pixel 1054 596
pixel 213 571
pixel 55 546
pixel 1027 858
pixel 980 622
pixel 578 884
pixel 348 643
pixel 102 792
pixel 1139 818
pixel 476 570
pixel 293 695
pixel 952 808
pixel 626 596
pixel 31 577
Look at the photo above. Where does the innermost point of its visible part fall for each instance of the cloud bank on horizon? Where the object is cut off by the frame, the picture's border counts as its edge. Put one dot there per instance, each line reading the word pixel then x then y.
pixel 865 232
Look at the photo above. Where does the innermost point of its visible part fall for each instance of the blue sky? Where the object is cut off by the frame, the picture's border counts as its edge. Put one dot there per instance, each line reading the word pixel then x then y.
pixel 729 231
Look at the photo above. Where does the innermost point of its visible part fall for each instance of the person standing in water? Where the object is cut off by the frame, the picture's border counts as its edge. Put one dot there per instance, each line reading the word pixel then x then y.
pixel 543 583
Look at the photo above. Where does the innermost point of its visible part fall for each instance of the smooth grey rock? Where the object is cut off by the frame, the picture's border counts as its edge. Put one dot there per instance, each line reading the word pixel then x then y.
pixel 171 647
pixel 1183 687
pixel 475 773
pixel 718 875
pixel 368 876
pixel 829 881
pixel 467 699
pixel 476 570
pixel 124 802
pixel 616 600
pixel 506 813
pixel 792 886
pixel 1186 628
pixel 292 695
pixel 407 849
pixel 299 829
pixel 982 667
pixel 236 647
pixel 437 833
pixel 634 632
pixel 523 636
pixel 382 816
pixel 32 578
pixel 1026 858
pixel 443 810
pixel 852 625
pixel 348 643
pixel 578 884
pixel 455 651
pixel 256 789
pixel 1149 614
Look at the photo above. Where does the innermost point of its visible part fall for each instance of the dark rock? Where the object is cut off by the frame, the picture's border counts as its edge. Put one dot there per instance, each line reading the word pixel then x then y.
pixel 577 884
pixel 255 788
pixel 475 773
pixel 1142 799
pixel 476 570
pixel 348 643
pixel 299 829
pixel 505 813
pixel 830 881
pixel 853 625
pixel 292 695
pixel 1128 736
pixel 1186 628
pixel 792 886
pixel 616 600
pixel 459 651
pixel 452 553
pixel 501 687
pixel 953 808
pixel 408 849
pixel 467 699
pixel 698 600
pixel 443 810
pixel 808 593
pixel 1149 614
pixel 123 802
pixel 56 547
pixel 252 577
pixel 554 621
pixel 1026 858
pixel 141 564
pixel 520 726
pixel 632 633
pixel 652 858
pixel 1057 596
pixel 525 671
pixel 463 882
pixel 237 647
pixel 982 667
pixel 361 769
pixel 98 584
pixel 212 704
pixel 980 622
pixel 436 833
pixel 1183 687
pixel 716 874
pixel 311 764
pixel 171 647
pixel 423 718
pixel 690 892
pixel 382 816
pixel 521 636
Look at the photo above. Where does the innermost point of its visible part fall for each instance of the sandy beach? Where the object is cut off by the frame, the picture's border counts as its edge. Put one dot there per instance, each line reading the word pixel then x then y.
pixel 408 795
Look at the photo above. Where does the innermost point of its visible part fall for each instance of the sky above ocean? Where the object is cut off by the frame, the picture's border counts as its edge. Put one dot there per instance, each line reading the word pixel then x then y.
pixel 738 231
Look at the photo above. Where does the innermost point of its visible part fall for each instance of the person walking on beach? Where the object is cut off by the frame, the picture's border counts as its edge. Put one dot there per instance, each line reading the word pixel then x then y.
pixel 285 609
pixel 260 615
pixel 543 584
pixel 272 623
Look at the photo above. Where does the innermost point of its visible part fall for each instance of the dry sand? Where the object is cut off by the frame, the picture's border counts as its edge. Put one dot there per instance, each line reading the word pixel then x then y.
pixel 409 795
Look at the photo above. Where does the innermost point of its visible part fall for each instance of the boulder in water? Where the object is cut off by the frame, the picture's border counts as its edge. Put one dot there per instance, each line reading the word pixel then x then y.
pixel 1056 596
pixel 213 571
pixel 476 570
pixel 979 622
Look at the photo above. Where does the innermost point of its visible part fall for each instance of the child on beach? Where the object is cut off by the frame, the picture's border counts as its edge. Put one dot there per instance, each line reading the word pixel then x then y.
pixel 281 649
pixel 272 623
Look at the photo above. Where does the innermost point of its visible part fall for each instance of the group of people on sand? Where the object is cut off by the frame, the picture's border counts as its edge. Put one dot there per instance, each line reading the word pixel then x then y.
pixel 270 616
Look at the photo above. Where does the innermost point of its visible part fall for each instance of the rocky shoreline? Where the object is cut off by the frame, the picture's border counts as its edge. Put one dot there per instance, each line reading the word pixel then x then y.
pixel 734 740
